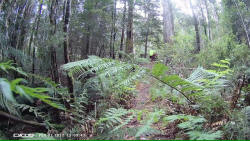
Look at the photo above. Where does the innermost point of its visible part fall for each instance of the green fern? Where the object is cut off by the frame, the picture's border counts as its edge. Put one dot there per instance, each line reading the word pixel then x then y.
pixel 16 86
pixel 120 134
pixel 189 122
pixel 193 127
pixel 198 135
pixel 35 110
pixel 212 79
pixel 200 80
pixel 22 58
pixel 182 86
pixel 115 120
pixel 9 65
pixel 151 118
pixel 121 73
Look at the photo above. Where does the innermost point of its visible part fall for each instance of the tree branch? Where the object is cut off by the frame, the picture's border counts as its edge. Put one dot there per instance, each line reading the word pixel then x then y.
pixel 21 120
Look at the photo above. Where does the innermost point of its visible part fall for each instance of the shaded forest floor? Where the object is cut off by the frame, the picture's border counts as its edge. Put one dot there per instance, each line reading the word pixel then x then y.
pixel 143 102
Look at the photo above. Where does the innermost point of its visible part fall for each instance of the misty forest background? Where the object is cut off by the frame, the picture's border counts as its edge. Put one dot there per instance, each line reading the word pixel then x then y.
pixel 125 69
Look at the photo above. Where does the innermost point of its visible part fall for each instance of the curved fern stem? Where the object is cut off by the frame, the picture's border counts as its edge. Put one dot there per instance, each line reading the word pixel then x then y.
pixel 189 100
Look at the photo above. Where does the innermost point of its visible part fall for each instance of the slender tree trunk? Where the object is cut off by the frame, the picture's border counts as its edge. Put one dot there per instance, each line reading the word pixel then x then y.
pixel 146 43
pixel 35 29
pixel 208 21
pixel 66 42
pixel 52 16
pixel 111 34
pixel 123 27
pixel 147 31
pixel 129 42
pixel 23 25
pixel 14 35
pixel 168 21
pixel 204 20
pixel 197 31
pixel 87 43
pixel 114 31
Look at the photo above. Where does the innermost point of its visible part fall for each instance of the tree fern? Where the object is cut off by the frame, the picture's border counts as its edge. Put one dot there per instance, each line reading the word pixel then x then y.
pixel 117 73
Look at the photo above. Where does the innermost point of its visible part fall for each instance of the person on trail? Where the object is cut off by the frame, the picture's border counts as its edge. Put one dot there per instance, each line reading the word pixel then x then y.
pixel 153 55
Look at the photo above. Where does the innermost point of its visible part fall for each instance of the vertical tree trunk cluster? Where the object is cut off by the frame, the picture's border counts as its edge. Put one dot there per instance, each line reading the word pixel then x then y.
pixel 168 21
pixel 147 15
pixel 53 23
pixel 123 27
pixel 208 20
pixel 67 8
pixel 197 30
pixel 113 31
pixel 129 41
pixel 34 34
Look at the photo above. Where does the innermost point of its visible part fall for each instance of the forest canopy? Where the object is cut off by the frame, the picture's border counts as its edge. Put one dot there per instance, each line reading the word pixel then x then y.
pixel 125 69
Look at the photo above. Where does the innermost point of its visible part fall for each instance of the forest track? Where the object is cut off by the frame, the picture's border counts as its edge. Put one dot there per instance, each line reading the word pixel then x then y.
pixel 143 100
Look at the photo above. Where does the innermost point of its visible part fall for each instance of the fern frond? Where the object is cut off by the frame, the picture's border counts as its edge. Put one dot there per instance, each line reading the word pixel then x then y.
pixel 151 118
pixel 121 73
pixel 182 86
pixel 119 134
pixel 31 109
pixel 204 78
pixel 198 135
pixel 114 117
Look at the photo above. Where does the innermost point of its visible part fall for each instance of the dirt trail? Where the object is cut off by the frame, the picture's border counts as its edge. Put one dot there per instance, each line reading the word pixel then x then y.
pixel 143 100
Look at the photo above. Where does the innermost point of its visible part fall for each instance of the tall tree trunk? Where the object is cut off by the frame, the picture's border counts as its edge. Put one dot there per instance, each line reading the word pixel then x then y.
pixel 204 20
pixel 87 43
pixel 114 31
pixel 146 43
pixel 208 20
pixel 147 31
pixel 24 24
pixel 34 33
pixel 52 16
pixel 123 27
pixel 111 34
pixel 197 31
pixel 14 35
pixel 168 21
pixel 66 42
pixel 129 42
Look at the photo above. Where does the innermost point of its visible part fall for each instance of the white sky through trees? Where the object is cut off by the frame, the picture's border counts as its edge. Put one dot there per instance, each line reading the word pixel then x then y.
pixel 182 5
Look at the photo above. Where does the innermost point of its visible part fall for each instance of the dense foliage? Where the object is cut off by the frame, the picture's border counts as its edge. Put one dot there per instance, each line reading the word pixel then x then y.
pixel 124 69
